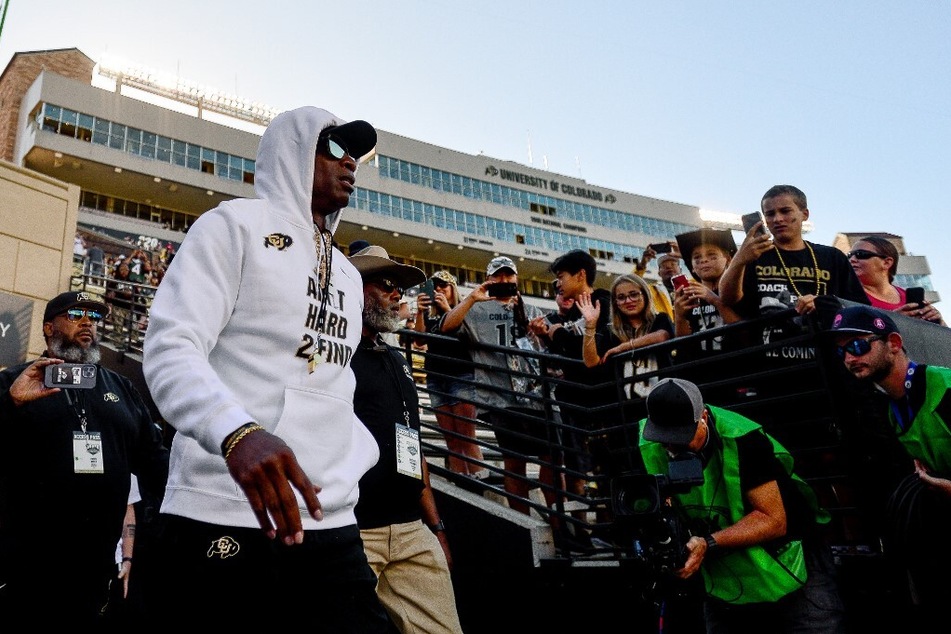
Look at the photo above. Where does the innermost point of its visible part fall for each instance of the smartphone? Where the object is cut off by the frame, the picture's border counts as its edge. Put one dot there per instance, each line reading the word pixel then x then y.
pixel 502 289
pixel 915 295
pixel 679 281
pixel 661 247
pixel 427 288
pixel 73 375
pixel 751 219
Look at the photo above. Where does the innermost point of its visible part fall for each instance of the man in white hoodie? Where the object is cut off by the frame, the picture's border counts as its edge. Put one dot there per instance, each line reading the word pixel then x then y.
pixel 248 357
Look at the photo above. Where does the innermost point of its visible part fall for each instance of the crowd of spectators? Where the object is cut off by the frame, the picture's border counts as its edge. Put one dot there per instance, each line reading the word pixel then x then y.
pixel 127 276
pixel 598 332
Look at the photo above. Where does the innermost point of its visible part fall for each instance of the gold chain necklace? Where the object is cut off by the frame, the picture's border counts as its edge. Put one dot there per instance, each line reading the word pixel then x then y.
pixel 815 267
pixel 323 244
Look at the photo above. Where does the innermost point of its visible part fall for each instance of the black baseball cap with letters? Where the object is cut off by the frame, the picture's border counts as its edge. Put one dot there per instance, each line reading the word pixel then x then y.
pixel 73 299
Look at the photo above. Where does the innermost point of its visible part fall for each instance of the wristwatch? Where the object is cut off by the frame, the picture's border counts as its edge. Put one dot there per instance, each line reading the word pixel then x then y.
pixel 438 527
pixel 712 546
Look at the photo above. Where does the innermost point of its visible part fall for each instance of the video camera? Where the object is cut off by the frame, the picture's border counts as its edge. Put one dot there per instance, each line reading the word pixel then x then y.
pixel 644 517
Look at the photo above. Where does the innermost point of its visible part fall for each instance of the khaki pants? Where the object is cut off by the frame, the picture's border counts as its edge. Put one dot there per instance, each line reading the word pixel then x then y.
pixel 414 583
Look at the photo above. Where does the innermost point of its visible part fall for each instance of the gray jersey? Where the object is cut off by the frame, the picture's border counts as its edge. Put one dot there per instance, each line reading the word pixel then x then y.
pixel 491 322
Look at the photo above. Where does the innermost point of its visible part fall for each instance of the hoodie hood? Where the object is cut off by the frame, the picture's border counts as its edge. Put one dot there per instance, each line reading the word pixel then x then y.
pixel 284 168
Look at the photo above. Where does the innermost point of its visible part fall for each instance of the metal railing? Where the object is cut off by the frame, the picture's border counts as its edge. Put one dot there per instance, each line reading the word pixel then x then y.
pixel 128 318
pixel 788 383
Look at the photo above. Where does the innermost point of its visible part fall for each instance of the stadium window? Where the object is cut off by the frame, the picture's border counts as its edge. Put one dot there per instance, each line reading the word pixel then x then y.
pixel 207 161
pixel 67 126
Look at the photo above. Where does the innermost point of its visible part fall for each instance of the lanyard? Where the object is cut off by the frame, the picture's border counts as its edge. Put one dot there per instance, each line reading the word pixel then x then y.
pixel 905 417
pixel 78 409
pixel 394 374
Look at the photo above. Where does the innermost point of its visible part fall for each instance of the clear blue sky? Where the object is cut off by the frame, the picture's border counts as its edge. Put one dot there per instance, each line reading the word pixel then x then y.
pixel 703 103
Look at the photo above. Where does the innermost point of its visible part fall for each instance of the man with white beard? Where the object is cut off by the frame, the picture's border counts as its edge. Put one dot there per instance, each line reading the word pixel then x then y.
pixel 403 535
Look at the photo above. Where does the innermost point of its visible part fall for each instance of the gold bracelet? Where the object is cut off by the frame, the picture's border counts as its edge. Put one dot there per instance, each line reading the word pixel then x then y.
pixel 233 442
pixel 227 441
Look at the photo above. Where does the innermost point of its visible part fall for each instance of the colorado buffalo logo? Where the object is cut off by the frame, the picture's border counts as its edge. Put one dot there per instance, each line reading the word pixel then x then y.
pixel 279 240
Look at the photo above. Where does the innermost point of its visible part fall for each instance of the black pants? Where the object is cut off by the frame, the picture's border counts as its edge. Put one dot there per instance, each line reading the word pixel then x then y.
pixel 52 587
pixel 225 576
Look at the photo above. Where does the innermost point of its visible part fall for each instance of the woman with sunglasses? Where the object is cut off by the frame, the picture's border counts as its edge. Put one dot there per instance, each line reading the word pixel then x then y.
pixel 634 324
pixel 450 377
pixel 875 262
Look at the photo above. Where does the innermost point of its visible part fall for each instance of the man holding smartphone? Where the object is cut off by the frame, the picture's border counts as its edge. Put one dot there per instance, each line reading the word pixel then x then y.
pixel 495 314
pixel 72 449
pixel 783 270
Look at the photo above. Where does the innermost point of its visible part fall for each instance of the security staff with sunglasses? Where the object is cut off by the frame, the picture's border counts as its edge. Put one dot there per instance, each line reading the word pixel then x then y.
pixel 247 356
pixel 919 408
pixel 65 473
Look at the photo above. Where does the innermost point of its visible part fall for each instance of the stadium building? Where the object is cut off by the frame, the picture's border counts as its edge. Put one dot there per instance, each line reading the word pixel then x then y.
pixel 151 153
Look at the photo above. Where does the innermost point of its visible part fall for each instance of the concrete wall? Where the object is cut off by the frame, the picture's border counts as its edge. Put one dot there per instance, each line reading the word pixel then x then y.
pixel 37 226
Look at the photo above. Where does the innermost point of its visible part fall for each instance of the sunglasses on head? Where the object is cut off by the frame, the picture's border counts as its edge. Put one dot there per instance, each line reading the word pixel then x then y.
pixel 857 347
pixel 388 286
pixel 75 314
pixel 334 147
pixel 863 254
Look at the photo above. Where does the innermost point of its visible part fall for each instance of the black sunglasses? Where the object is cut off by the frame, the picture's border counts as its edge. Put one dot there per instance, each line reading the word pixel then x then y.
pixel 333 146
pixel 857 347
pixel 76 314
pixel 388 286
pixel 863 254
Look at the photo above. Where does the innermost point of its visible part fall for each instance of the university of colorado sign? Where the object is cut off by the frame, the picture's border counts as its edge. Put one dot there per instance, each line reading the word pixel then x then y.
pixel 550 185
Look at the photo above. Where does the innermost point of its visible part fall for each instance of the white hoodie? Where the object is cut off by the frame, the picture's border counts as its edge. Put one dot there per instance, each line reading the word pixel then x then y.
pixel 230 331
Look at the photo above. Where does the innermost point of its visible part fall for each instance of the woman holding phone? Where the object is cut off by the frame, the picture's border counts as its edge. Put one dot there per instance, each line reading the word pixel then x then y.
pixel 450 377
pixel 875 262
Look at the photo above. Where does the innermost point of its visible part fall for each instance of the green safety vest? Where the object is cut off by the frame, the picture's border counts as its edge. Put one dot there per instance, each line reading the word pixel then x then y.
pixel 928 438
pixel 745 575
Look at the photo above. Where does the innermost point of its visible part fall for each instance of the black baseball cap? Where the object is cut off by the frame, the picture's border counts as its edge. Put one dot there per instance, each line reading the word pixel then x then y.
pixel 359 137
pixel 674 407
pixel 73 299
pixel 862 320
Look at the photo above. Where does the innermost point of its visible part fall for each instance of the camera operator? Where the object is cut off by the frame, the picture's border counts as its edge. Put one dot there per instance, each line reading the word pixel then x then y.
pixel 762 563
pixel 65 473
